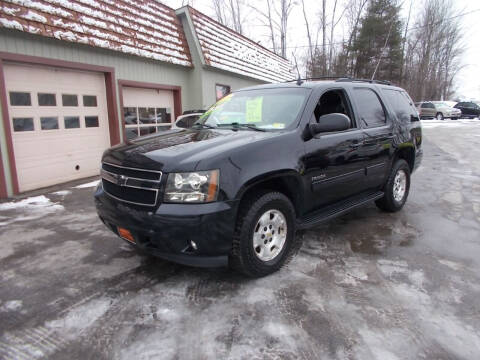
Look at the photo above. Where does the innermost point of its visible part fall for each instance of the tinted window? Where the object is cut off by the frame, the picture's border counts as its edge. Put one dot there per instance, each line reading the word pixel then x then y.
pixel 425 105
pixel 192 120
pixel 72 122
pixel 182 123
pixel 146 115
pixel 402 106
pixel 91 121
pixel 370 108
pixel 131 133
pixel 49 123
pixel 89 100
pixel 69 100
pixel 130 115
pixel 23 124
pixel 164 115
pixel 20 99
pixel 221 91
pixel 145 130
pixel 47 99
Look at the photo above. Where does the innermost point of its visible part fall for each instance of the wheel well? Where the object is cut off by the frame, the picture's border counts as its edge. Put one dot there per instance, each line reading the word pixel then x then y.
pixel 407 154
pixel 287 185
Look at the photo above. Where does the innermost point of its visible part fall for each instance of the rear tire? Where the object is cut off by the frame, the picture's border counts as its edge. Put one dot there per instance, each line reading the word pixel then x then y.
pixel 439 116
pixel 396 188
pixel 257 252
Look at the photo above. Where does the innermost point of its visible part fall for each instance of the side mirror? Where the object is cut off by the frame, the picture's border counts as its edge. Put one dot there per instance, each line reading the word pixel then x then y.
pixel 329 123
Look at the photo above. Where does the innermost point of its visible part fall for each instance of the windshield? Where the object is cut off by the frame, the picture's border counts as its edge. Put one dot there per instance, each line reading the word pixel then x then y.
pixel 267 109
pixel 441 103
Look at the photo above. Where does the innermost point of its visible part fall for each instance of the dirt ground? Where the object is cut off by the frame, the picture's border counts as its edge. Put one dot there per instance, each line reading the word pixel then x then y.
pixel 368 285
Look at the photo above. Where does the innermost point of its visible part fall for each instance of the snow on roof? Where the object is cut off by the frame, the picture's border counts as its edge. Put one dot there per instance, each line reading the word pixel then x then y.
pixel 227 50
pixel 144 28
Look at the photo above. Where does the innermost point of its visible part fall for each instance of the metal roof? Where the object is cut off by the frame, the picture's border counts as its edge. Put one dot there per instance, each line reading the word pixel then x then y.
pixel 144 28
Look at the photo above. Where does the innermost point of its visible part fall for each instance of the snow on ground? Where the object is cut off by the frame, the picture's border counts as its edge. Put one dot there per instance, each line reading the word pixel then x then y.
pixel 61 193
pixel 448 123
pixel 31 208
pixel 88 185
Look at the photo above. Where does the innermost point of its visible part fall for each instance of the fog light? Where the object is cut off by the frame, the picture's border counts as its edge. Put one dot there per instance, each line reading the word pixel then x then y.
pixel 193 245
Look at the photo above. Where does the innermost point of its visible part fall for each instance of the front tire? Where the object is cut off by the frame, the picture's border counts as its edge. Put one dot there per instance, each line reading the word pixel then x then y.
pixel 264 239
pixel 396 188
pixel 439 116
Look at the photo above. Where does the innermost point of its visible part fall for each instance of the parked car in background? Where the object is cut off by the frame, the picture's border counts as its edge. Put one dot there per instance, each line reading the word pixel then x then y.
pixel 437 110
pixel 187 120
pixel 469 109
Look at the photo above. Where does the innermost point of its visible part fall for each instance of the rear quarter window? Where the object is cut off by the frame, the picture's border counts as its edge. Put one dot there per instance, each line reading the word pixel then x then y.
pixel 401 104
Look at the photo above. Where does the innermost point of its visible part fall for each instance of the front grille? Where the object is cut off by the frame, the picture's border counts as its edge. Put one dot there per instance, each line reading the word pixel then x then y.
pixel 131 185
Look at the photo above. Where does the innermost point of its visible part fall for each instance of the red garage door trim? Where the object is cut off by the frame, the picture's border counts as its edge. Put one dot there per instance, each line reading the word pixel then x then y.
pixel 109 73
pixel 3 184
pixel 177 95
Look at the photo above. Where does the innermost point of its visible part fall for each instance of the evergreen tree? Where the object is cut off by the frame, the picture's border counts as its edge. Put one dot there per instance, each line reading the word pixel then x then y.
pixel 379 42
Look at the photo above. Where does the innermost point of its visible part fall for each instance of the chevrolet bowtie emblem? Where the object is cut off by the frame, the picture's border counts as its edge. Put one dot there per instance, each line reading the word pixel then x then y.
pixel 121 180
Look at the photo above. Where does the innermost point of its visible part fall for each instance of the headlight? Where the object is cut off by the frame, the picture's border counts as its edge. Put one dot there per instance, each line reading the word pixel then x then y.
pixel 192 187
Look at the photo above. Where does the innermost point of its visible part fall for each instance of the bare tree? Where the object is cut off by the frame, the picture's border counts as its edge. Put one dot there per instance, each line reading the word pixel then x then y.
pixel 219 8
pixel 229 13
pixel 276 19
pixel 434 47
pixel 236 15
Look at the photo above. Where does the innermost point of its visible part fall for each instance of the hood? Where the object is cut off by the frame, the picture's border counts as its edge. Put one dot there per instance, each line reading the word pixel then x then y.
pixel 182 149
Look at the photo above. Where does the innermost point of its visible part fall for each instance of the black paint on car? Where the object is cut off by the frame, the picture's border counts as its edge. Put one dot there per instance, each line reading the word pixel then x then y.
pixel 259 165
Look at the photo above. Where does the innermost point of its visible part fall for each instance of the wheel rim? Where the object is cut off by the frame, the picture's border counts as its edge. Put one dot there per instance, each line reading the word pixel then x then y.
pixel 399 185
pixel 439 117
pixel 269 235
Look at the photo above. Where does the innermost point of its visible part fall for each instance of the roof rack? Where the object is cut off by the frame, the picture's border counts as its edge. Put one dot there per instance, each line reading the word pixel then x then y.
pixel 344 78
pixel 348 79
pixel 317 78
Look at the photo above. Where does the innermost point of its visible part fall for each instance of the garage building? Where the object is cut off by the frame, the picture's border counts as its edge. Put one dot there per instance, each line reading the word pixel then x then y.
pixel 79 76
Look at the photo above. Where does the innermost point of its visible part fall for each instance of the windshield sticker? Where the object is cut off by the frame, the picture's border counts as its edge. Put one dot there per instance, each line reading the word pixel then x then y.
pixel 253 113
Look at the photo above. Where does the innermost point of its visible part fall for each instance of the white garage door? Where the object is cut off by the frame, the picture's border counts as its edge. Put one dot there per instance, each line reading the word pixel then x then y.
pixel 146 111
pixel 59 123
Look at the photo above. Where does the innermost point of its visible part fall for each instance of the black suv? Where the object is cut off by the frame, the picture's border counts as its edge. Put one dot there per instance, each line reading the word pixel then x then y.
pixel 259 165
pixel 469 109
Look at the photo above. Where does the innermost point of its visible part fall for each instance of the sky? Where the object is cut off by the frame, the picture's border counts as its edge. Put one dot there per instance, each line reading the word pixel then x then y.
pixel 467 81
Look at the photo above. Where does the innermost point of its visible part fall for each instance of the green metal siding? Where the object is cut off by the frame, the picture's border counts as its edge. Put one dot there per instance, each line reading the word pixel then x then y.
pixel 210 77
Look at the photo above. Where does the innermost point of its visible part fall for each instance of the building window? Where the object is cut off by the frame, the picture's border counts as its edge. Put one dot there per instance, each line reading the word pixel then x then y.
pixel 49 123
pixel 46 99
pixel 141 121
pixel 89 100
pixel 72 122
pixel 69 100
pixel 20 98
pixel 91 121
pixel 221 91
pixel 23 124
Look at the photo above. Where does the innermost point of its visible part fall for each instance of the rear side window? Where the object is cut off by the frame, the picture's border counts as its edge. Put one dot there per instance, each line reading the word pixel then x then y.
pixel 401 105
pixel 370 108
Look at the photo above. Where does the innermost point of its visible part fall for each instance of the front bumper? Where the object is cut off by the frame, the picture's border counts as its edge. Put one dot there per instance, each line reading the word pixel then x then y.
pixel 168 231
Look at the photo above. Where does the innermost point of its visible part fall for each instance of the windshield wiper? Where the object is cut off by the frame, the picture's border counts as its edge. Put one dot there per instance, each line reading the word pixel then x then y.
pixel 206 126
pixel 237 125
